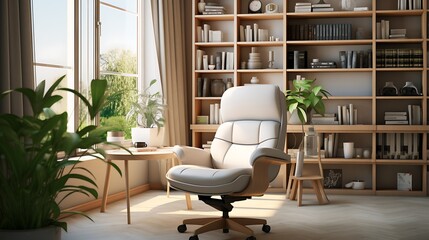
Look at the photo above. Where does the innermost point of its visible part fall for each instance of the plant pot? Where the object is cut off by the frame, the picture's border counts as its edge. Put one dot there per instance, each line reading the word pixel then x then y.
pixel 153 137
pixel 46 233
pixel 293 118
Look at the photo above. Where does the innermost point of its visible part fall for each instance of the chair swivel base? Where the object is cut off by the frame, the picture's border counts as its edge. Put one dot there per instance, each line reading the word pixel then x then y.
pixel 225 222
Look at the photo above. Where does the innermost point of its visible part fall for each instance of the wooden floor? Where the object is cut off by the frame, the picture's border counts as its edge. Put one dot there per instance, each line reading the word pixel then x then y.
pixel 154 216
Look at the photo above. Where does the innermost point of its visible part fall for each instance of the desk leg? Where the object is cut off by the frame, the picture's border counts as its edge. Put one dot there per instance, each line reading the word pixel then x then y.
pixel 106 187
pixel 127 185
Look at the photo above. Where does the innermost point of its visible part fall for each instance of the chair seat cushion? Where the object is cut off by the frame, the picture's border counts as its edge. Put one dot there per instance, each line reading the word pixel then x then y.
pixel 208 181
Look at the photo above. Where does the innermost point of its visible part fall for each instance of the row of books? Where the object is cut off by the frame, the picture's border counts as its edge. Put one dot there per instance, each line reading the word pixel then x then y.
pixel 409 4
pixel 247 34
pixel 205 34
pixel 383 31
pixel 346 115
pixel 356 59
pixel 222 60
pixel 213 9
pixel 296 59
pixel 399 58
pixel 335 31
pixel 411 117
pixel 398 146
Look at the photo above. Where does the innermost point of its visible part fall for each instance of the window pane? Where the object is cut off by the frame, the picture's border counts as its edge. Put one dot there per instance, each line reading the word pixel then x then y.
pixel 129 5
pixel 53 31
pixel 124 90
pixel 118 40
pixel 50 75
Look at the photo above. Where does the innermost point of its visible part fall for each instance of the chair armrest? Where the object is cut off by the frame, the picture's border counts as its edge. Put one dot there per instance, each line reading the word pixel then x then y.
pixel 193 156
pixel 276 155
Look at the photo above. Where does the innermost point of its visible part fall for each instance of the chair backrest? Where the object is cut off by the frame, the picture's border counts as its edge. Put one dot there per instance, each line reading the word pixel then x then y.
pixel 253 117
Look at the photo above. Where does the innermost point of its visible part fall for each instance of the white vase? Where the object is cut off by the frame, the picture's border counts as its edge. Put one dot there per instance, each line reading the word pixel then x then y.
pixel 201 6
pixel 153 137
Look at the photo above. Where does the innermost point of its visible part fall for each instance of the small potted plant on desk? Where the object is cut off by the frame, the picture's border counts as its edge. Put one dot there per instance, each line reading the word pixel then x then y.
pixel 37 161
pixel 148 112
pixel 300 101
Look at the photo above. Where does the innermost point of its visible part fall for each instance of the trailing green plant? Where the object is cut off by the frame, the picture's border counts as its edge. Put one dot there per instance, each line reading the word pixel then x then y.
pixel 148 109
pixel 33 181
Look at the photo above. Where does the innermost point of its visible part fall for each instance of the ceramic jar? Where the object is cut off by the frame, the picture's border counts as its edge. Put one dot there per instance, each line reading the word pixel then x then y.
pixel 217 87
pixel 201 6
pixel 409 89
pixel 389 90
pixel 229 83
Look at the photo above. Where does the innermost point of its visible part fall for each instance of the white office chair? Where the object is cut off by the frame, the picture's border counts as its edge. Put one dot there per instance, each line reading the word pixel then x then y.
pixel 245 156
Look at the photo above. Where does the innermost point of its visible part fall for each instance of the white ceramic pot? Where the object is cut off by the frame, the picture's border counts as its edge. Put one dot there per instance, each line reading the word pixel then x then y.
pixel 153 137
pixel 46 233
pixel 299 163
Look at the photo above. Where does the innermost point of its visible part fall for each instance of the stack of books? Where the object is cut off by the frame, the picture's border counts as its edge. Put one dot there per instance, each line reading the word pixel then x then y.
pixel 303 7
pixel 395 118
pixel 213 9
pixel 207 146
pixel 322 7
pixel 326 119
pixel 323 64
pixel 398 33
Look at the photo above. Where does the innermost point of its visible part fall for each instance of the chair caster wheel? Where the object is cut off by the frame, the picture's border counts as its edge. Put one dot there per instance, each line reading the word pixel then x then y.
pixel 251 238
pixel 181 228
pixel 195 237
pixel 225 230
pixel 266 228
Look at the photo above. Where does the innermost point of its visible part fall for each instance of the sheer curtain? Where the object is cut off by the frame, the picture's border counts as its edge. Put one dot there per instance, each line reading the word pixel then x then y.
pixel 16 58
pixel 169 27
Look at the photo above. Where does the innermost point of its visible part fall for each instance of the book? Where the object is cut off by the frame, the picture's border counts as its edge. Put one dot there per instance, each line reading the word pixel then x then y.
pixel 360 9
pixel 404 182
pixel 323 9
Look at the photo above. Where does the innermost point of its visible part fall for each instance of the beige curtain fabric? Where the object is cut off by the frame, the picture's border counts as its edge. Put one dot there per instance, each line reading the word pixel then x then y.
pixel 16 58
pixel 169 27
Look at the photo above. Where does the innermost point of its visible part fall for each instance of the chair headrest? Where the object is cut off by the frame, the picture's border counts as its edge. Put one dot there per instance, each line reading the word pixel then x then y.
pixel 239 103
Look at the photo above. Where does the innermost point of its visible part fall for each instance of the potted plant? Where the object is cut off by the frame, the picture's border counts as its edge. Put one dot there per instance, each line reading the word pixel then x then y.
pixel 33 180
pixel 301 100
pixel 148 112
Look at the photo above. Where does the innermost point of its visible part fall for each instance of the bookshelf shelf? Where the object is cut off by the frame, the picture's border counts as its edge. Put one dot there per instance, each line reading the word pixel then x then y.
pixel 335 14
pixel 405 40
pixel 262 16
pixel 214 44
pixel 207 98
pixel 328 70
pixel 399 97
pixel 220 17
pixel 330 42
pixel 261 44
pixel 398 13
pixel 399 162
pixel 357 86
pixel 260 70
pixel 408 69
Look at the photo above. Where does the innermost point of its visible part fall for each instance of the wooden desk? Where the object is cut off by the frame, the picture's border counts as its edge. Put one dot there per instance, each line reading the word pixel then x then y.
pixel 125 156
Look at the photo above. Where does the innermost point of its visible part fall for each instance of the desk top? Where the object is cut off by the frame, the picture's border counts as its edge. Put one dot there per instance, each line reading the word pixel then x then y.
pixel 121 154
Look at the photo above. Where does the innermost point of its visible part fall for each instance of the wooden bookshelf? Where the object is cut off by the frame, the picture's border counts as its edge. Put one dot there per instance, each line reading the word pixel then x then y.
pixel 360 86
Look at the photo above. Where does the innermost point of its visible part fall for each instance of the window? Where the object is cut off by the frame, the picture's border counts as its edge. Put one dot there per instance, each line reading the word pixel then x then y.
pixel 118 59
pixel 54 46
pixel 112 53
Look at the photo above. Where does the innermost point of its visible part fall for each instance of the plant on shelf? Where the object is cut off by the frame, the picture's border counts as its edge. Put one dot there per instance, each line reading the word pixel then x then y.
pixel 38 162
pixel 148 111
pixel 301 100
